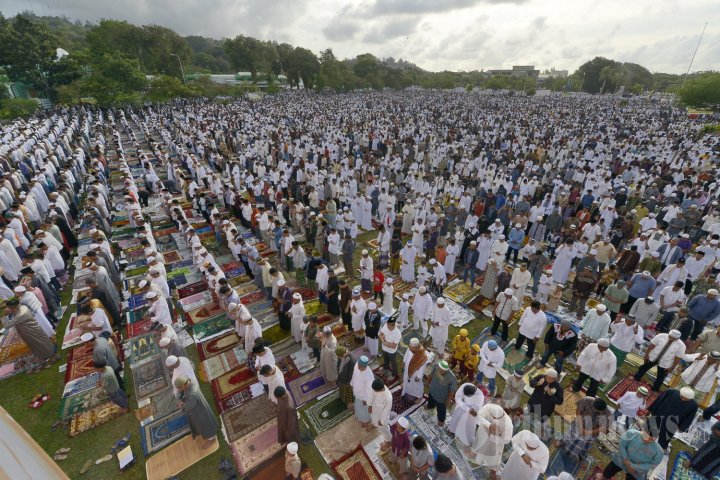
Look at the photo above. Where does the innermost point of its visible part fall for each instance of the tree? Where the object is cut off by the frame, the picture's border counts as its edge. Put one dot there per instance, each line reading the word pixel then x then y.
pixel 702 91
pixel 11 108
pixel 114 80
pixel 164 88
pixel 302 64
pixel 250 54
pixel 28 51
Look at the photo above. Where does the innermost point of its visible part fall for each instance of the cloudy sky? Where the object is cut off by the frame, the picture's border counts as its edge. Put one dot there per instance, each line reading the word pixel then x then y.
pixel 440 34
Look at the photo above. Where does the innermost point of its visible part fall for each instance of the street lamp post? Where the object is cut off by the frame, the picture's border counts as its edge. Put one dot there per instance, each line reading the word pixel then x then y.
pixel 182 70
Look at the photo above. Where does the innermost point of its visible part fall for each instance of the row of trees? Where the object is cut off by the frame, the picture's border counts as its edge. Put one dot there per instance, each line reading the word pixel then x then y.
pixel 110 61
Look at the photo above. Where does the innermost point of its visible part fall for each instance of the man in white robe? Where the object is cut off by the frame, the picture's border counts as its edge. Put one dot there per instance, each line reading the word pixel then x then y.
pixel 180 367
pixel 703 372
pixel 495 430
pixel 297 315
pixel 468 401
pixel 358 307
pixel 379 405
pixel 407 260
pixel 451 253
pixel 361 383
pixel 492 358
pixel 440 323
pixel 519 281
pixel 499 249
pixel 529 458
pixel 422 310
pixel 598 363
pixel 273 377
pixel 415 361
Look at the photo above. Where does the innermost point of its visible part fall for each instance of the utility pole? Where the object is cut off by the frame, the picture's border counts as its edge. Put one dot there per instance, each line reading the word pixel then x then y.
pixel 693 56
pixel 182 70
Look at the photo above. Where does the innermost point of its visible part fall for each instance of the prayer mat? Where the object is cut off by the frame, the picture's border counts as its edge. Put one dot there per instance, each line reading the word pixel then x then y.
pixel 308 387
pixel 306 293
pixel 171 257
pixel 178 271
pixel 177 457
pixel 610 440
pixel 13 351
pixel 192 289
pixel 253 297
pixel 400 404
pixel 217 345
pixel 274 468
pixel 136 272
pixel 400 287
pixel 84 421
pixel 212 327
pixel 698 433
pixel 629 384
pixel 356 466
pixel 82 402
pixel 224 362
pixel 204 313
pixel 230 382
pixel 334 445
pixel 135 316
pixel 680 472
pixel 81 384
pixel 240 421
pixel 180 264
pixel 80 362
pixel 137 301
pixel 514 359
pixel 459 314
pixel 73 332
pixel 302 361
pixel 386 376
pixel 636 361
pixel 567 410
pixel 267 319
pixel 163 431
pixel 182 280
pixel 556 465
pixel 233 269
pixel 388 459
pixel 150 377
pixel 143 347
pixel 314 308
pixel 588 471
pixel 325 414
pixel 260 307
pixel 255 448
pixel 349 341
pixel 235 400
pixel 286 365
pixel 479 304
pixel 139 328
pixel 482 337
pixel 236 282
pixel 459 292
pixel 195 301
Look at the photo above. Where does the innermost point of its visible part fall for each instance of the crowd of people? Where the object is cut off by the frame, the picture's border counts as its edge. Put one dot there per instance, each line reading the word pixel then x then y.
pixel 600 211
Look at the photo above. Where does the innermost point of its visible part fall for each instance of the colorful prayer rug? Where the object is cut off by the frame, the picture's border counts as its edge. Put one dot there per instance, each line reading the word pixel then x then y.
pixel 266 319
pixel 356 466
pixel 256 447
pixel 401 405
pixel 253 297
pixel 80 362
pixel 254 413
pixel 171 257
pixel 514 359
pixel 478 304
pixel 224 362
pixel 137 301
pixel 217 345
pixel 460 316
pixel 196 301
pixel 74 330
pixel 178 271
pixel 262 307
pixel 387 377
pixel 392 466
pixel 567 410
pixel 139 328
pixel 136 272
pixel 227 384
pixel 163 431
pixel 308 387
pixel 84 421
pixel 629 384
pixel 204 313
pixel 306 293
pixel 142 347
pixel 286 365
pixel 302 361
pixel 238 282
pixel 460 292
pixel 81 402
pixel 191 289
pixel 325 414
pixel 233 269
pixel 134 316
pixel 80 385
pixel 534 370
pixel 235 400
pixel 149 377
pixel 211 327
pixel 680 472
pixel 400 287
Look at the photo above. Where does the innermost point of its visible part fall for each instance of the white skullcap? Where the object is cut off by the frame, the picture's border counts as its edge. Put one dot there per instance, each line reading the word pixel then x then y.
pixel 292 448
pixel 687 392
pixel 150 295
pixel 372 306
pixel 604 342
pixel 364 252
pixel 20 289
pixel 532 441
pixel 551 372
pixel 601 307
pixel 164 342
pixel 441 301
pixel 508 291
pixel 87 336
pixel 403 422
pixel 473 242
pixel 171 360
pixel 405 296
pixel 675 333
pixel 593 252
pixel 280 282
pixel 422 290
pixel 502 237
pixel 433 261
pixel 297 296
pixel 245 316
pixel 232 306
pixel 712 291
pixel 517 225
pixel 414 342
pixel 142 283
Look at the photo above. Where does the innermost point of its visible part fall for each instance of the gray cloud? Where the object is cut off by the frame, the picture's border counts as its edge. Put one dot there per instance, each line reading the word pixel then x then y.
pixel 391 30
pixel 387 7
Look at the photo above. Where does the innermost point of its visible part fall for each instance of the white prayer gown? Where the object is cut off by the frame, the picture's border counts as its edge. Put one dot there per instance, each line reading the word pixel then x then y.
pixel 488 448
pixel 516 468
pixel 563 262
pixel 413 386
pixel 462 423
pixel 407 270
